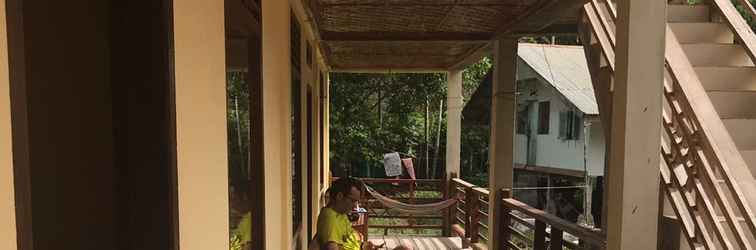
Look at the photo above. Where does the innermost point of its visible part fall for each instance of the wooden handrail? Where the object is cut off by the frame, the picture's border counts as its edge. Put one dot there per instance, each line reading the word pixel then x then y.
pixel 749 8
pixel 718 146
pixel 589 236
pixel 739 25
pixel 418 181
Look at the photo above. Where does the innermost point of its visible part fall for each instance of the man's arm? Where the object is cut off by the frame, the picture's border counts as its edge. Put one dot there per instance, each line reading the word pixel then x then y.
pixel 332 246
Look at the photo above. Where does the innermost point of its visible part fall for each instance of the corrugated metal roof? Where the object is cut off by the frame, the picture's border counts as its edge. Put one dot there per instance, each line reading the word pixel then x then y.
pixel 566 69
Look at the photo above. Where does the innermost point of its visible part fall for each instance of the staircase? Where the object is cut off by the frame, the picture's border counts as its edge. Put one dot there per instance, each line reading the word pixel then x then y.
pixel 708 143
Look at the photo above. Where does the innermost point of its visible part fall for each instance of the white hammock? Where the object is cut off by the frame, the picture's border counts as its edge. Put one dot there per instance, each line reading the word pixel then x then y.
pixel 429 208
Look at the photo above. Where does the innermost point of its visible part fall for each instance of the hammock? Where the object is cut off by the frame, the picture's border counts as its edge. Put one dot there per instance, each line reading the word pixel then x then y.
pixel 417 209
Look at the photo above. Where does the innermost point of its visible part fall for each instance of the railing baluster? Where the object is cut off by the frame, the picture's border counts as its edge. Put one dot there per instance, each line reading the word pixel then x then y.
pixel 555 238
pixel 474 218
pixel 539 239
pixel 468 211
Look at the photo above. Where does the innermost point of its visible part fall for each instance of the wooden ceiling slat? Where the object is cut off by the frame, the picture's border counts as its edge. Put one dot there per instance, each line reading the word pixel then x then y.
pixel 405 36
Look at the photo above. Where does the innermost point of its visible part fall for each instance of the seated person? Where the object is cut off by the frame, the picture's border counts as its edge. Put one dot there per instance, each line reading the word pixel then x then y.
pixel 334 229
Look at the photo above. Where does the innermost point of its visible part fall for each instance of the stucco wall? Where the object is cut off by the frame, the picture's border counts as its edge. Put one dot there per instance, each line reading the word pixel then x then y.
pixel 7 199
pixel 200 98
pixel 277 122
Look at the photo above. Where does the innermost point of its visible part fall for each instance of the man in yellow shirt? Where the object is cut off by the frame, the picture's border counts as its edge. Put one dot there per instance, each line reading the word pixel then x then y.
pixel 334 229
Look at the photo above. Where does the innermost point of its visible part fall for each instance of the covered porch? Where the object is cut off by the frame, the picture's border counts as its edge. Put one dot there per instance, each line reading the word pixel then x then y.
pixel 143 140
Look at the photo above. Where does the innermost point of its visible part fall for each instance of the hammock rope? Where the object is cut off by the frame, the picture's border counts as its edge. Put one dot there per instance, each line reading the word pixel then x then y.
pixel 415 209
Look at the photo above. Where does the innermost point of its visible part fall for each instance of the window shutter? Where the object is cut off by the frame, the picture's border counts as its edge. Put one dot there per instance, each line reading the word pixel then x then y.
pixel 578 121
pixel 563 125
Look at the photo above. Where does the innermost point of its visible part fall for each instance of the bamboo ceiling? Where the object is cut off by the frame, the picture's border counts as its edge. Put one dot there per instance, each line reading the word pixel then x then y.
pixel 414 34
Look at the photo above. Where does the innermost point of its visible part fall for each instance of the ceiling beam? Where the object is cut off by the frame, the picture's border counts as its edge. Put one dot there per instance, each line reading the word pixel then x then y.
pixel 473 56
pixel 411 4
pixel 540 16
pixel 554 29
pixel 405 36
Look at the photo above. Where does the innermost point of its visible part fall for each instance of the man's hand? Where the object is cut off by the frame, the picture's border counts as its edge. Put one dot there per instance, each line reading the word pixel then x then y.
pixel 370 246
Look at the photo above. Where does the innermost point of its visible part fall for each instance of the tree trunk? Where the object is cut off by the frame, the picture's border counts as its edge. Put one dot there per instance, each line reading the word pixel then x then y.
pixel 438 139
pixel 427 149
pixel 242 160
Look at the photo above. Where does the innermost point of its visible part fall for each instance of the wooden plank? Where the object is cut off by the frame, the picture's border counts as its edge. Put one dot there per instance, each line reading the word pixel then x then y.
pixel 475 37
pixel 719 196
pixel 592 237
pixel 711 215
pixel 503 114
pixel 556 240
pixel 604 21
pixel 636 120
pixel 602 37
pixel 717 139
pixel 539 238
pixel 472 56
pixel 739 25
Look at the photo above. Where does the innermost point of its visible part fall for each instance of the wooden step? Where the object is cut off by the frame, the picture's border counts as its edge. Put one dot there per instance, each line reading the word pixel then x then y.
pixel 749 156
pixel 727 78
pixel 710 54
pixel 687 13
pixel 734 104
pixel 742 132
pixel 702 32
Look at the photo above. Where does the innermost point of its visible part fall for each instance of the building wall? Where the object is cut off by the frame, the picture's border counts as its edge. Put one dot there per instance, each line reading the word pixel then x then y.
pixel 7 192
pixel 549 149
pixel 201 139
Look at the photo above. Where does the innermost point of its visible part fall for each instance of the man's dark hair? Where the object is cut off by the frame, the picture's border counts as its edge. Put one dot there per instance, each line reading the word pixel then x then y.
pixel 344 186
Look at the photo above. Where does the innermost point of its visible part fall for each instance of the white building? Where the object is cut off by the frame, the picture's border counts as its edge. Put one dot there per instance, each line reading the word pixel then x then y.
pixel 559 139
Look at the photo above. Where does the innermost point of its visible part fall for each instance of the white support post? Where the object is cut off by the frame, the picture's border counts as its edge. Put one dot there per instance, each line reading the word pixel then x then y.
pixel 276 58
pixel 453 123
pixel 633 181
pixel 501 154
pixel 200 116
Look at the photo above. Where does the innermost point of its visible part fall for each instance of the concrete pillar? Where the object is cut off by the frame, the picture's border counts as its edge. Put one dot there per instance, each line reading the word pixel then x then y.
pixel 633 181
pixel 200 101
pixel 276 58
pixel 7 193
pixel 453 122
pixel 503 111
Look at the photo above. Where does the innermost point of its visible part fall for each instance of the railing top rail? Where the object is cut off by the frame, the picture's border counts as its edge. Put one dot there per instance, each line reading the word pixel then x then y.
pixel 589 236
pixel 748 7
pixel 379 180
pixel 481 191
pixel 463 183
pixel 475 189
pixel 738 24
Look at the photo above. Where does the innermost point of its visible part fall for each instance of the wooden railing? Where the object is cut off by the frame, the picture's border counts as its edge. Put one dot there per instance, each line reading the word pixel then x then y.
pixel 516 212
pixel 404 190
pixel 470 216
pixel 697 154
pixel 697 151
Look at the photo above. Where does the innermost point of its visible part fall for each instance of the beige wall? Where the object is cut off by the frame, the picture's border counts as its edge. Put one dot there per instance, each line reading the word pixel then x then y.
pixel 200 99
pixel 7 207
pixel 277 123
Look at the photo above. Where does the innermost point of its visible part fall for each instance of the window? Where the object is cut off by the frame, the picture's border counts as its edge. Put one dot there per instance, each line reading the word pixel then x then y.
pixel 570 124
pixel 544 110
pixel 296 131
pixel 523 118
